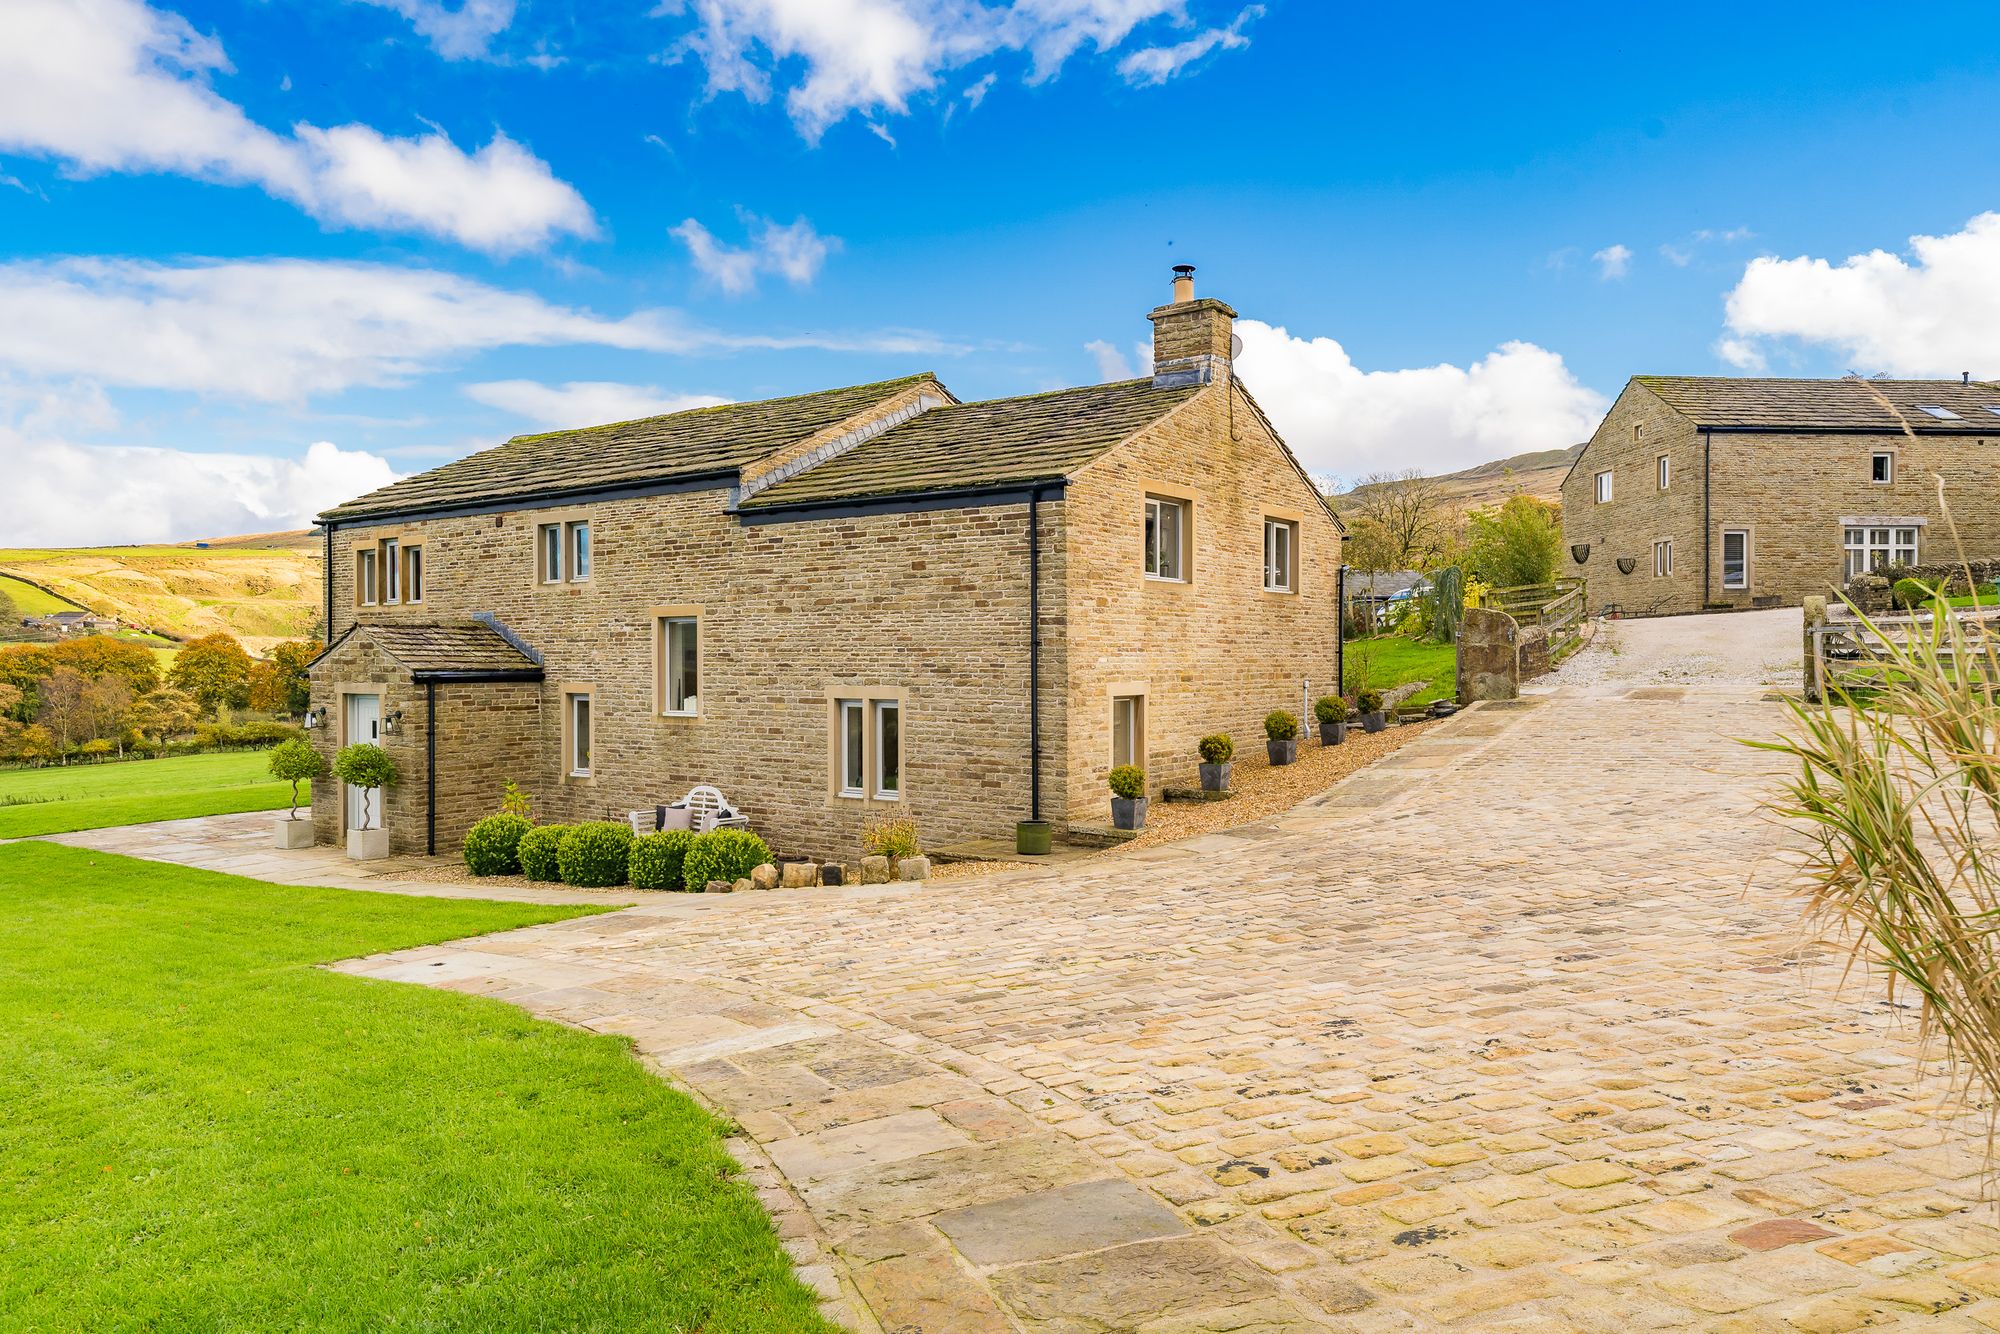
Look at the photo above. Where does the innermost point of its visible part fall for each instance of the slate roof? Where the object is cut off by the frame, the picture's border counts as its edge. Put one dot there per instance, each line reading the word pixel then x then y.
pixel 677 445
pixel 1817 404
pixel 428 648
pixel 994 443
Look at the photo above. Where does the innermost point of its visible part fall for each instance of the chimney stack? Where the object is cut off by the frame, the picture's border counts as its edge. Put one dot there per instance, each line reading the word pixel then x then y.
pixel 1193 341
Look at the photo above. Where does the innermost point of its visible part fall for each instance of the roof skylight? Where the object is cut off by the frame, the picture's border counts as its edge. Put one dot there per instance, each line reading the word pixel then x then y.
pixel 1942 414
pixel 1993 408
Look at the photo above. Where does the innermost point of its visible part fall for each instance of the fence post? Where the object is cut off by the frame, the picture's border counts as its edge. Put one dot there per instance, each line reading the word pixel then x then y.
pixel 1815 663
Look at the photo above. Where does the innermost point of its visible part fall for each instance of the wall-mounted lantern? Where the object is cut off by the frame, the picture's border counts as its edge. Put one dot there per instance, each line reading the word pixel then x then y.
pixel 393 724
pixel 315 718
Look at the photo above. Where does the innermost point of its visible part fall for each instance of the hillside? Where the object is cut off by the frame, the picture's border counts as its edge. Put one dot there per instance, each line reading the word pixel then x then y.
pixel 261 588
pixel 1539 474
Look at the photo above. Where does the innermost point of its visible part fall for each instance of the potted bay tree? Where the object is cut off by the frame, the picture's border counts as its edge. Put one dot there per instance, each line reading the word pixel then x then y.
pixel 1331 711
pixel 1281 733
pixel 1216 751
pixel 369 768
pixel 1373 718
pixel 296 762
pixel 1128 797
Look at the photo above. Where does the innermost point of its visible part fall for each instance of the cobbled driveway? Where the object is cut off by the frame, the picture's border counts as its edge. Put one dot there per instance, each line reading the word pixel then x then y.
pixel 1514 1031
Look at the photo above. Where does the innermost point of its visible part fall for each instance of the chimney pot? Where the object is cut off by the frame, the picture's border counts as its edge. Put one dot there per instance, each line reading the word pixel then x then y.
pixel 1183 283
pixel 1965 377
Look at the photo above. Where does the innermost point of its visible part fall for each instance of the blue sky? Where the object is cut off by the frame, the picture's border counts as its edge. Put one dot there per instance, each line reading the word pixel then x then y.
pixel 255 256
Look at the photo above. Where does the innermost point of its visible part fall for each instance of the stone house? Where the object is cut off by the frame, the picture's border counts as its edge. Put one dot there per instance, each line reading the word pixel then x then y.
pixel 1717 492
pixel 869 601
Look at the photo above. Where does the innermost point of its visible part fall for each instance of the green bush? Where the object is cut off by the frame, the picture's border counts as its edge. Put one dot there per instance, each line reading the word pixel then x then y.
pixel 1217 748
pixel 723 854
pixel 888 836
pixel 365 766
pixel 1128 781
pixel 1330 709
pixel 1281 726
pixel 1369 701
pixel 537 851
pixel 493 846
pixel 594 854
pixel 1909 594
pixel 657 859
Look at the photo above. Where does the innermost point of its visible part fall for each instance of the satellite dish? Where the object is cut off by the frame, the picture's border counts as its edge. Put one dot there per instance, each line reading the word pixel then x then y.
pixel 1236 345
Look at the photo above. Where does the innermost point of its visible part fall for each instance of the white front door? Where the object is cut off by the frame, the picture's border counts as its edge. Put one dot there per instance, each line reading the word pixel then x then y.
pixel 364 723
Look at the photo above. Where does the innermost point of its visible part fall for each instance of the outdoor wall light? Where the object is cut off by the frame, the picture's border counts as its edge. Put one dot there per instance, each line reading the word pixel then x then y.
pixel 315 718
pixel 392 724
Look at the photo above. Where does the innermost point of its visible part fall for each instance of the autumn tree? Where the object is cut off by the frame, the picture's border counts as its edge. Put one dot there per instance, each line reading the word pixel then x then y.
pixel 32 745
pixel 96 656
pixel 278 683
pixel 214 670
pixel 1398 521
pixel 164 713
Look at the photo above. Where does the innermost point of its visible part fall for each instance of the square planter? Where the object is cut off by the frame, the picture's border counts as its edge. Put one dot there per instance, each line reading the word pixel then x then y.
pixel 1215 777
pixel 294 834
pixel 1034 838
pixel 1374 722
pixel 1128 812
pixel 1332 734
pixel 1282 752
pixel 367 845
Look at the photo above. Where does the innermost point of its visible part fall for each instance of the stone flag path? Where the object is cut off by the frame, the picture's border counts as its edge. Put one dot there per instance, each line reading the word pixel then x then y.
pixel 1513 1031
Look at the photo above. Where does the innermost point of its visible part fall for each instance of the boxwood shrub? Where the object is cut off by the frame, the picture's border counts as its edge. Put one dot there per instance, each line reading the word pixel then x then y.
pixel 723 854
pixel 538 851
pixel 594 854
pixel 1330 709
pixel 1128 781
pixel 492 847
pixel 1280 725
pixel 656 859
pixel 1216 748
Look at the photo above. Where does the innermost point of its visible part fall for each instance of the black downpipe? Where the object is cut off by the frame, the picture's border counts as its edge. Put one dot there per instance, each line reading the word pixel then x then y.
pixel 1340 634
pixel 430 769
pixel 1034 655
pixel 1707 528
pixel 328 581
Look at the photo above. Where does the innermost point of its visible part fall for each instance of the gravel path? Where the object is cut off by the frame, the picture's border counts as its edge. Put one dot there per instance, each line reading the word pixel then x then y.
pixel 1725 650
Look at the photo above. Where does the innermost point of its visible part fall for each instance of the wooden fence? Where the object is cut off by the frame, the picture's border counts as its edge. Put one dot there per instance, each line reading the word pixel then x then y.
pixel 1842 650
pixel 1556 608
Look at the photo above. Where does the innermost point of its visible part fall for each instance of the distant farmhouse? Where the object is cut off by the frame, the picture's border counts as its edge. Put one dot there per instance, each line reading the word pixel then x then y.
pixel 873 601
pixel 1700 492
pixel 72 623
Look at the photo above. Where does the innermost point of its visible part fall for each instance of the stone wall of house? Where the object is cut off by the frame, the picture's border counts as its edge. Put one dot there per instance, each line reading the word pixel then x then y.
pixel 930 604
pixel 358 666
pixel 488 732
pixel 1638 429
pixel 1214 653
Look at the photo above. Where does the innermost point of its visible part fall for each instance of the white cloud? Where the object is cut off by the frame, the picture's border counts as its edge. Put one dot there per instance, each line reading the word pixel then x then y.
pixel 1111 363
pixel 1613 262
pixel 873 56
pixel 115 85
pixel 1342 419
pixel 981 86
pixel 1154 65
pixel 1680 254
pixel 86 495
pixel 1935 312
pixel 583 402
pixel 462 32
pixel 793 251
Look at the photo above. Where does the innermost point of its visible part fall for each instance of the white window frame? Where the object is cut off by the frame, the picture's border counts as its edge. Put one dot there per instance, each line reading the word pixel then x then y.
pixel 852 765
pixel 1135 730
pixel 1863 542
pixel 579 555
pixel 1663 472
pixel 549 564
pixel 1663 558
pixel 1604 487
pixel 669 662
pixel 1741 582
pixel 579 702
pixel 413 564
pixel 1281 539
pixel 366 581
pixel 1888 477
pixel 1155 545
pixel 392 571
pixel 880 710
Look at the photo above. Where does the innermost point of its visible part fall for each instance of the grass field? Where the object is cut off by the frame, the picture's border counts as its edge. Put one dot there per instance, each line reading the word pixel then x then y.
pixel 30 600
pixel 202 1130
pixel 63 798
pixel 259 589
pixel 1387 661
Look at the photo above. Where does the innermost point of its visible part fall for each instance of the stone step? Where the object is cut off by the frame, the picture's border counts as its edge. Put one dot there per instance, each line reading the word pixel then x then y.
pixel 1193 794
pixel 1097 835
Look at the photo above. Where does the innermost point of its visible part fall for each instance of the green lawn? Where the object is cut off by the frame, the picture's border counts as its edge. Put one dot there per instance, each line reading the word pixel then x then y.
pixel 1386 661
pixel 61 798
pixel 30 600
pixel 199 1129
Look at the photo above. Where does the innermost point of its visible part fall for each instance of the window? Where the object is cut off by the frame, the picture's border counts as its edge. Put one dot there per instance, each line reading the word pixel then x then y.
pixel 579 736
pixel 552 553
pixel 1871 548
pixel 679 645
pixel 1942 414
pixel 1638 432
pixel 1128 730
pixel 364 578
pixel 1663 558
pixel 853 747
pixel 564 551
pixel 888 749
pixel 1736 558
pixel 1281 542
pixel 1166 523
pixel 579 552
pixel 392 571
pixel 1665 471
pixel 1993 408
pixel 413 574
pixel 1882 467
pixel 1604 487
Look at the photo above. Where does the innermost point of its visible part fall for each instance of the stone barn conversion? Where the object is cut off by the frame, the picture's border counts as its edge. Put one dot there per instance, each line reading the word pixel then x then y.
pixel 1716 492
pixel 876 600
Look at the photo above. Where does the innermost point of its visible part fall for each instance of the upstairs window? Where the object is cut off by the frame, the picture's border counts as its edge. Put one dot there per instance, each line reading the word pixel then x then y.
pixel 564 552
pixel 413 574
pixel 1882 467
pixel 365 591
pixel 1281 544
pixel 392 571
pixel 1604 487
pixel 1166 532
pixel 1664 471
pixel 579 552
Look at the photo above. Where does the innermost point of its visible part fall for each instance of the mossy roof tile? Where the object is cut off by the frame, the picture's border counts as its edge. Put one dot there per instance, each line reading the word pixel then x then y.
pixel 1884 405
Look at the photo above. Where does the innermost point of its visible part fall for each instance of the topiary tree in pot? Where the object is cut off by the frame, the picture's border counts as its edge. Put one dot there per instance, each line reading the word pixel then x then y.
pixel 1331 713
pixel 1128 797
pixel 1216 750
pixel 1373 717
pixel 368 767
pixel 1281 736
pixel 296 762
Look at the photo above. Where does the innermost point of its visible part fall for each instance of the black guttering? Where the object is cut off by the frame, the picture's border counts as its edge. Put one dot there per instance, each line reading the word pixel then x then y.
pixel 539 500
pixel 1707 519
pixel 1853 430
pixel 474 674
pixel 909 502
pixel 1034 654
